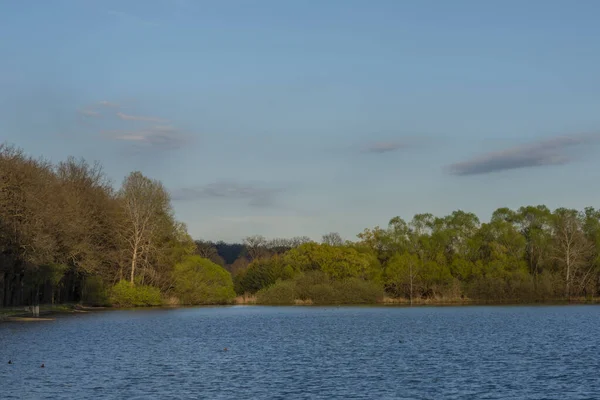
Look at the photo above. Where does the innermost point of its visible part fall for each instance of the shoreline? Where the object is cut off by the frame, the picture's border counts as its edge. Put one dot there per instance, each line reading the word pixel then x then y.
pixel 46 312
pixel 21 314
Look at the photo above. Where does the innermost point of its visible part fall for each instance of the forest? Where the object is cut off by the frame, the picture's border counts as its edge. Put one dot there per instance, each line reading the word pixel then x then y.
pixel 67 235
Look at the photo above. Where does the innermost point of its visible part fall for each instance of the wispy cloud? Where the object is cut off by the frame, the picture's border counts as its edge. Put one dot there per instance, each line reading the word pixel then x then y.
pixel 383 147
pixel 127 117
pixel 164 137
pixel 108 104
pixel 255 195
pixel 151 133
pixel 88 113
pixel 545 152
pixel 269 219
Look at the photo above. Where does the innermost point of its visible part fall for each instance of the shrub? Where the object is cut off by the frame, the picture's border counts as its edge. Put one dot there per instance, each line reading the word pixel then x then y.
pixel 549 285
pixel 306 282
pixel 200 281
pixel 357 291
pixel 281 293
pixel 123 294
pixel 323 293
pixel 260 274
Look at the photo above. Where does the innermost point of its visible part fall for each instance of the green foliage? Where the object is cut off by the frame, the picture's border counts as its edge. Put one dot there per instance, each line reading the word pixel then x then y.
pixel 322 294
pixel 281 293
pixel 402 274
pixel 357 291
pixel 124 294
pixel 198 280
pixel 261 273
pixel 305 282
pixel 318 288
pixel 338 262
pixel 63 223
pixel 65 232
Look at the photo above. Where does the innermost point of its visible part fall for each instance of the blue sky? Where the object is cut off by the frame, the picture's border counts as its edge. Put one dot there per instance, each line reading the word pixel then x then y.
pixel 287 118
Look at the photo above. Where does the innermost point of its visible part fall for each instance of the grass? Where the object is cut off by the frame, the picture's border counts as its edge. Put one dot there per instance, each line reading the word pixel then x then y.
pixel 24 313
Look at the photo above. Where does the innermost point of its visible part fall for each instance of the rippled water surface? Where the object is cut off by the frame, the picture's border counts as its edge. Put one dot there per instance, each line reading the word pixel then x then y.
pixel 307 352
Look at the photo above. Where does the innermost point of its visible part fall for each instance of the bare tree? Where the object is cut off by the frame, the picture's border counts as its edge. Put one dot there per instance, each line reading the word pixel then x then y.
pixel 144 202
pixel 300 240
pixel 333 239
pixel 572 249
pixel 205 249
pixel 256 246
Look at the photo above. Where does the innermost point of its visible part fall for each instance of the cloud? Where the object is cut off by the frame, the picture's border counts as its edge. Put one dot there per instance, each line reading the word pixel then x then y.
pixel 541 153
pixel 151 133
pixel 108 104
pixel 255 195
pixel 89 113
pixel 126 117
pixel 94 110
pixel 165 137
pixel 383 147
pixel 269 219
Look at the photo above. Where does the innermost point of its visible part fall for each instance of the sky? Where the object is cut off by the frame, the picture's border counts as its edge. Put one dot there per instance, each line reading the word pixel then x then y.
pixel 291 118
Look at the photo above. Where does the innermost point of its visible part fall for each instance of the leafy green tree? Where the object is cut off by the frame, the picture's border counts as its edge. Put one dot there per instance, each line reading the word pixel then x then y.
pixel 402 274
pixel 535 224
pixel 198 280
pixel 261 273
pixel 338 262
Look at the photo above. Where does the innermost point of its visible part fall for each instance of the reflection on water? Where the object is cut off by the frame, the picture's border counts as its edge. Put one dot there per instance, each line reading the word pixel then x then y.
pixel 307 352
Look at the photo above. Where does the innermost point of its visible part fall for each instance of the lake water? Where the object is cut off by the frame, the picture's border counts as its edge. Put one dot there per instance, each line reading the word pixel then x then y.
pixel 542 352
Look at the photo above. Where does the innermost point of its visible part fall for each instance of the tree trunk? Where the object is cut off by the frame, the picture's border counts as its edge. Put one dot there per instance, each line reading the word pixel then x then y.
pixel 133 264
pixel 568 262
pixel 411 284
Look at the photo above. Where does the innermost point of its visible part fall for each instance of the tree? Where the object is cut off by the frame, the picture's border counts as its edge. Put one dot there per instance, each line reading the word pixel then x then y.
pixel 209 251
pixel 535 224
pixel 402 273
pixel 573 249
pixel 338 262
pixel 261 273
pixel 256 246
pixel 200 281
pixel 145 205
pixel 332 239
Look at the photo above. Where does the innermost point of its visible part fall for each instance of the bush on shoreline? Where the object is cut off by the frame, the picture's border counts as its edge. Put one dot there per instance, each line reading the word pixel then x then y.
pixel 198 280
pixel 123 294
pixel 304 290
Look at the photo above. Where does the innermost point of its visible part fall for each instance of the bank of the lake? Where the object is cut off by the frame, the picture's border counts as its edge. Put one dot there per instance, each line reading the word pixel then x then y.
pixel 48 311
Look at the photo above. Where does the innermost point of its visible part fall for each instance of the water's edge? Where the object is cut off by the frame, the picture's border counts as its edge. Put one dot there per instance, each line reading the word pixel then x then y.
pixel 47 312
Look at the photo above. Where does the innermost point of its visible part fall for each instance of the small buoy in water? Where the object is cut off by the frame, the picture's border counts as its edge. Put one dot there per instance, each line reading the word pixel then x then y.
pixel 42 366
pixel 225 349
pixel 10 361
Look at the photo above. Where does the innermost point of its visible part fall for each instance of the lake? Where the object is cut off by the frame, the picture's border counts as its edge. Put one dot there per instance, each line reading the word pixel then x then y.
pixel 477 352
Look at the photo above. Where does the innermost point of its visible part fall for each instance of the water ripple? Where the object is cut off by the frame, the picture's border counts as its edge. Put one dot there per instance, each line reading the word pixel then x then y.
pixel 307 353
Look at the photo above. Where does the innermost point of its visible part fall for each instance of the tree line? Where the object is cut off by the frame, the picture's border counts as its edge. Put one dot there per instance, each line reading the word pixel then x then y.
pixel 529 254
pixel 68 235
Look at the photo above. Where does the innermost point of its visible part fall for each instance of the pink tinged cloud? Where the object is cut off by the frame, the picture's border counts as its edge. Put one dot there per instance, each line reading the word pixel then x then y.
pixel 127 117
